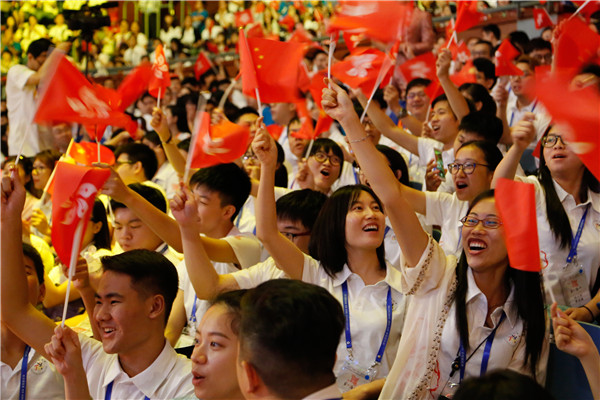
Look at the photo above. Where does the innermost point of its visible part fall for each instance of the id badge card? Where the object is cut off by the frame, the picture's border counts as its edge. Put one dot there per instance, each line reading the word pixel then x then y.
pixel 352 375
pixel 574 285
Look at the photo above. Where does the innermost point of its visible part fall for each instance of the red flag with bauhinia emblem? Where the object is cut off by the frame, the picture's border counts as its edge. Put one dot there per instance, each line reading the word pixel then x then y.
pixel 467 15
pixel 576 46
pixel 202 65
pixel 270 66
pixel 362 68
pixel 578 113
pixel 505 55
pixel 160 79
pixel 75 188
pixel 218 144
pixel 67 96
pixel 541 18
pixel 243 18
pixel 515 202
pixel 384 21
pixel 422 66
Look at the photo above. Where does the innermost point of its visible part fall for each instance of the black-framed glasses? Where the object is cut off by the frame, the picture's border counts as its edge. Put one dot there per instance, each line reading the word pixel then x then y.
pixel 292 236
pixel 489 222
pixel 551 139
pixel 322 157
pixel 467 167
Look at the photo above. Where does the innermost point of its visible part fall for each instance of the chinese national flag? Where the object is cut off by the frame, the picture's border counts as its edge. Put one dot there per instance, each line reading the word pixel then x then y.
pixel 465 75
pixel 256 31
pixel 272 67
pixel 275 131
pixel 505 55
pixel 467 15
pixel 288 22
pixel 75 188
pixel 515 202
pixel 202 65
pixel 306 129
pixel 576 46
pixel 422 66
pixel 578 113
pixel 160 79
pixel 67 96
pixel 362 68
pixel 323 124
pixel 231 142
pixel 316 87
pixel 86 153
pixel 243 18
pixel 384 21
pixel 541 18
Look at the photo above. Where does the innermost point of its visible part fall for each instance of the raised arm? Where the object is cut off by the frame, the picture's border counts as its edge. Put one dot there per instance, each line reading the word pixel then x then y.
pixel 33 327
pixel 287 256
pixel 411 237
pixel 457 101
pixel 169 144
pixel 522 134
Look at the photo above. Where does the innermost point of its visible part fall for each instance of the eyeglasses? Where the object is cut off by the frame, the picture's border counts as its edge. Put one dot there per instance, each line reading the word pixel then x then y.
pixel 250 158
pixel 489 222
pixel 322 157
pixel 550 140
pixel 412 96
pixel 119 163
pixel 293 236
pixel 467 167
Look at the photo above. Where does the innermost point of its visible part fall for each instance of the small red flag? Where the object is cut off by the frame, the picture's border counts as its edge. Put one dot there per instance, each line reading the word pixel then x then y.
pixel 362 68
pixel 515 202
pixel 75 188
pixel 202 65
pixel 275 131
pixel 422 66
pixel 541 18
pixel 243 18
pixel 160 79
pixel 316 87
pixel 219 144
pixel 256 31
pixel 465 75
pixel 467 15
pixel 352 39
pixel 576 46
pixel 323 124
pixel 288 22
pixel 505 55
pixel 134 85
pixel 86 153
pixel 434 89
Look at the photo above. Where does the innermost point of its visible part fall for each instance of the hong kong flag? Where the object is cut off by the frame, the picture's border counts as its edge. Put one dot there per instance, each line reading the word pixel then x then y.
pixel 505 55
pixel 243 18
pixel 362 69
pixel 541 18
pixel 422 66
pixel 202 65
pixel 75 188
pixel 160 79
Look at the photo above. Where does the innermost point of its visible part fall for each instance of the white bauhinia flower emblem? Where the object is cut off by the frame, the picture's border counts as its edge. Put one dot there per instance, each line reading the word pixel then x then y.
pixel 419 70
pixel 361 64
pixel 360 10
pixel 88 105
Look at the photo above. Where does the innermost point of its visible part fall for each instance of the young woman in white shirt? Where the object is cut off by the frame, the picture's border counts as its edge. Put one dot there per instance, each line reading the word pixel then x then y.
pixel 457 308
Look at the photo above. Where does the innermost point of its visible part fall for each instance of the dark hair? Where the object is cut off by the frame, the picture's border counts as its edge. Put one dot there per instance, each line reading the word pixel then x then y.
pixel 281 174
pixel 488 44
pixel 493 29
pixel 149 193
pixel 312 53
pixel 325 145
pixel 184 144
pixel 528 298
pixel 491 153
pixel 328 241
pixel 27 165
pixel 153 138
pixel 417 82
pixel 39 46
pixel 301 205
pixel 231 183
pixel 150 272
pixel 557 216
pixel 501 385
pixel 480 94
pixel 30 252
pixel 443 97
pixel 520 40
pixel 289 333
pixel 396 161
pixel 102 237
pixel 232 301
pixel 488 127
pixel 178 111
pixel 142 153
pixel 539 44
pixel 48 157
pixel 486 67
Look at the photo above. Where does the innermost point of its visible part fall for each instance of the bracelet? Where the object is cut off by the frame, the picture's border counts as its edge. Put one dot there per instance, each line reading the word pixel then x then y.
pixel 368 135
pixel 590 311
pixel 169 139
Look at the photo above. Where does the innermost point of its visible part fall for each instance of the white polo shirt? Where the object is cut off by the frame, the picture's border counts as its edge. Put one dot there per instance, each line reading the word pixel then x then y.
pixel 255 275
pixel 169 376
pixel 43 381
pixel 446 210
pixel 515 114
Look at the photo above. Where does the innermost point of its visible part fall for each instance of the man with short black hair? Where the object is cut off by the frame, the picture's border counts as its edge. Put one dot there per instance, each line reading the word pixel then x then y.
pixel 136 162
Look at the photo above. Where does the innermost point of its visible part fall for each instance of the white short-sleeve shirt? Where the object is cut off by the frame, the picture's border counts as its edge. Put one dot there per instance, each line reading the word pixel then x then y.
pixel 249 278
pixel 446 210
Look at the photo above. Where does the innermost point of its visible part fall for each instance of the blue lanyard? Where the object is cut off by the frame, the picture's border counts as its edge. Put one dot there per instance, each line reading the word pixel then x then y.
pixel 387 230
pixel 486 351
pixel 388 326
pixel 108 394
pixel 575 242
pixel 193 316
pixel 512 115
pixel 356 178
pixel 24 362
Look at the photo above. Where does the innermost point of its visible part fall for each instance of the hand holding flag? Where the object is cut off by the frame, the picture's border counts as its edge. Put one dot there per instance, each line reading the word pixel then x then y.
pixel 160 79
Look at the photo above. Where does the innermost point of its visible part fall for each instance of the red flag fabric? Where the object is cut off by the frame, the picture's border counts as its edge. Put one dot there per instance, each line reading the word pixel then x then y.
pixel 272 67
pixel 578 113
pixel 505 54
pixel 384 21
pixel 303 82
pixel 75 188
pixel 352 39
pixel 275 131
pixel 86 153
pixel 323 124
pixel 460 51
pixel 316 87
pixel 300 35
pixel 67 96
pixel 288 22
pixel 541 18
pixel 515 202
pixel 467 15
pixel 134 85
pixel 232 140
pixel 160 79
pixel 256 31
pixel 361 69
pixel 434 89
pixel 576 45
pixel 422 66
pixel 202 65
pixel 465 75
pixel 243 18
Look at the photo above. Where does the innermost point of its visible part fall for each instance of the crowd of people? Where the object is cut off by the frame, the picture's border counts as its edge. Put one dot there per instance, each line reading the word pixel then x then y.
pixel 369 262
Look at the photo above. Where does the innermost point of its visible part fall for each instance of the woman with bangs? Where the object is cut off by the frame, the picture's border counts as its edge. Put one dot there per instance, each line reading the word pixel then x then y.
pixel 568 218
pixel 466 316
pixel 322 168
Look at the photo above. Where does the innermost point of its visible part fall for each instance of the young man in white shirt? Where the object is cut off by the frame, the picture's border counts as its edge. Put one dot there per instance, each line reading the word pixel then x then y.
pixel 133 302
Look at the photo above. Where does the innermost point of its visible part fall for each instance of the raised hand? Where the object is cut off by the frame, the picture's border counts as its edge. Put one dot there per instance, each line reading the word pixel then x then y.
pixel 114 187
pixel 443 63
pixel 64 351
pixel 336 102
pixel 524 131
pixel 185 208
pixel 264 146
pixel 13 197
